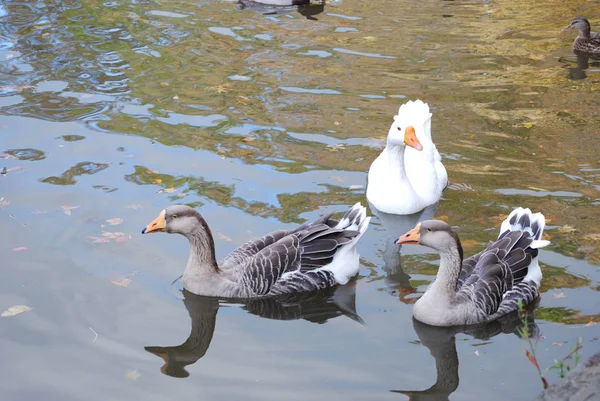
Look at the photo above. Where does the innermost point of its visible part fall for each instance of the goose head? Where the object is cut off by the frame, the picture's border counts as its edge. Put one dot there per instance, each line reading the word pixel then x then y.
pixel 435 234
pixel 416 114
pixel 178 219
pixel 402 134
pixel 579 23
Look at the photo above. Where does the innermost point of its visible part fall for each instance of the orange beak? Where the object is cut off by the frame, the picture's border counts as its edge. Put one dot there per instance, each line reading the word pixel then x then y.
pixel 411 237
pixel 158 225
pixel 410 138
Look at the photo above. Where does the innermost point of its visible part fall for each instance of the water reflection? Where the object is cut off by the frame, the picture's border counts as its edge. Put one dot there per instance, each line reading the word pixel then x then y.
pixel 582 64
pixel 397 281
pixel 441 342
pixel 304 7
pixel 314 307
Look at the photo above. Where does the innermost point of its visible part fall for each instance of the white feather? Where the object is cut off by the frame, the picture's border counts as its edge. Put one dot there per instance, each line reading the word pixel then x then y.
pixel 346 261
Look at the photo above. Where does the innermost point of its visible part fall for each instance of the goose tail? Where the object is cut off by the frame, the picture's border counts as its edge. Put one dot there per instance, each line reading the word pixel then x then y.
pixel 522 219
pixel 346 263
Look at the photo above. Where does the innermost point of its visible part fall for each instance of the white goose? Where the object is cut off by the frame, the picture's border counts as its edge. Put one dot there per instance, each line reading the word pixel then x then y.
pixel 408 175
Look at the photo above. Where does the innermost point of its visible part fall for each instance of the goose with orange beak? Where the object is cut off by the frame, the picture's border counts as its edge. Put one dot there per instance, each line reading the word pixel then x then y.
pixel 487 285
pixel 311 257
pixel 408 175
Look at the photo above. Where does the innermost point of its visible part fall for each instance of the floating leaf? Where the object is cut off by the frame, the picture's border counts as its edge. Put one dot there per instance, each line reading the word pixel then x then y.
pixel 114 221
pixel 4 202
pixel 560 295
pixel 151 171
pixel 19 249
pixel 15 310
pixel 107 236
pixel 4 171
pixel 121 283
pixel 157 181
pixel 223 236
pixel 16 168
pixel 67 209
pixel 167 190
pixel 249 139
pixel 528 125
pixel 122 239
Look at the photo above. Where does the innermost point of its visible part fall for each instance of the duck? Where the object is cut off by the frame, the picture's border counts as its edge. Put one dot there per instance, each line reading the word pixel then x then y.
pixel 311 257
pixel 408 175
pixel 586 41
pixel 485 286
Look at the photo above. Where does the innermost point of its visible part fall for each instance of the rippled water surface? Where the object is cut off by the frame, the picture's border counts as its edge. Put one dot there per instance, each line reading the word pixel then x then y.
pixel 109 111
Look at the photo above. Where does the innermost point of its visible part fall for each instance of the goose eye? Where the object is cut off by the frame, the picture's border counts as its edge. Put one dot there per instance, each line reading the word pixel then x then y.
pixel 175 216
pixel 399 129
pixel 429 229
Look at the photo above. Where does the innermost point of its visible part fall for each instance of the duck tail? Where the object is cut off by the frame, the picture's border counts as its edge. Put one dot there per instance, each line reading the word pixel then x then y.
pixel 522 219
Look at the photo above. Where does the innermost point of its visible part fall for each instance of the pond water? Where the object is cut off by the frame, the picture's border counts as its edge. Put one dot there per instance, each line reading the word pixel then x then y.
pixel 112 111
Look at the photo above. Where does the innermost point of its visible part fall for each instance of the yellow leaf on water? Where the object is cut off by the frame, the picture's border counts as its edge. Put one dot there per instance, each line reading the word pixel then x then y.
pixel 114 221
pixel 156 181
pixel 15 310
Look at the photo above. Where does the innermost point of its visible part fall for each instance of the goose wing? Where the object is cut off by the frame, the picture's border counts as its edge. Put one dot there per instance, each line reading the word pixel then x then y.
pixel 265 267
pixel 498 270
pixel 244 253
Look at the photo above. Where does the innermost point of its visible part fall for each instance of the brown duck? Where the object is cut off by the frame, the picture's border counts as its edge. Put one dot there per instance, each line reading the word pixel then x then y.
pixel 586 41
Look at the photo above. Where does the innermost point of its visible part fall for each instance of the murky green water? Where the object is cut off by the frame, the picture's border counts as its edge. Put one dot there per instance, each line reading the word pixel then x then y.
pixel 111 111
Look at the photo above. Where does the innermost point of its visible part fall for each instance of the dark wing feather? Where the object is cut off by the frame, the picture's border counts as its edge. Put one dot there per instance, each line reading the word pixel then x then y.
pixel 269 264
pixel 496 271
pixel 247 251
pixel 319 245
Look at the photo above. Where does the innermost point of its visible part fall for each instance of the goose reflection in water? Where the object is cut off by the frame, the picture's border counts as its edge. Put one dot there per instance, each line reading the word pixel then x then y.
pixel 441 342
pixel 397 281
pixel 316 307
pixel 272 7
